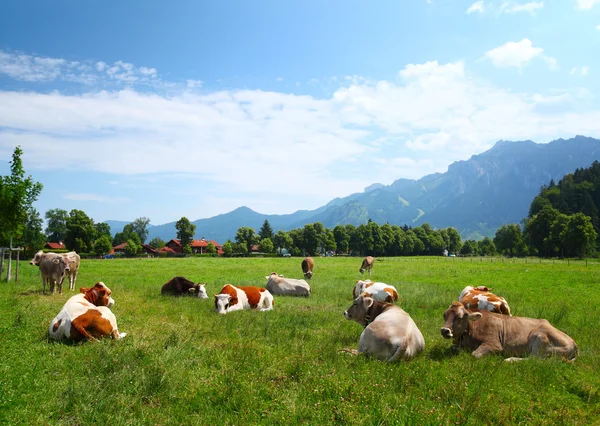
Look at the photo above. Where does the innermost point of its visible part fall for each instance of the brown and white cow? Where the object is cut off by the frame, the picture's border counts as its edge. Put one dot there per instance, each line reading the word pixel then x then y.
pixel 232 298
pixel 307 267
pixel 480 298
pixel 86 315
pixel 390 333
pixel 485 333
pixel 181 286
pixel 278 285
pixel 52 267
pixel 367 265
pixel 378 291
pixel 74 261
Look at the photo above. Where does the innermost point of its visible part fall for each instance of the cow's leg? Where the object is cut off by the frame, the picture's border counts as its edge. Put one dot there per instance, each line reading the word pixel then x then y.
pixel 350 351
pixel 116 335
pixel 44 284
pixel 539 344
pixel 484 350
pixel 51 285
pixel 60 282
pixel 72 285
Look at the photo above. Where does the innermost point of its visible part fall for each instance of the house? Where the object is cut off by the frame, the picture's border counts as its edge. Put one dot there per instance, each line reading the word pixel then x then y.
pixel 166 249
pixel 120 249
pixel 55 246
pixel 199 246
pixel 174 245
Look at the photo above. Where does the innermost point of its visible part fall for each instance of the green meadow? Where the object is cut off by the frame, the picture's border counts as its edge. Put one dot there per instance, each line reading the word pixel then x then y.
pixel 182 363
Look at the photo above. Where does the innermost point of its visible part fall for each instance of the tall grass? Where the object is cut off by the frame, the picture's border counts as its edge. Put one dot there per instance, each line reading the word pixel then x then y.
pixel 184 364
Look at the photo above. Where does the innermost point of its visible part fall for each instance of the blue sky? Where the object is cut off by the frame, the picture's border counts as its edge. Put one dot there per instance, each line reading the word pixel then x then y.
pixel 189 108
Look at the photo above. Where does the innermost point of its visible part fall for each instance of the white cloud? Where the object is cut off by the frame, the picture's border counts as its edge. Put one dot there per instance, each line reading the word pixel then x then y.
pixel 270 143
pixel 518 54
pixel 587 4
pixel 598 27
pixel 583 71
pixel 512 7
pixel 478 6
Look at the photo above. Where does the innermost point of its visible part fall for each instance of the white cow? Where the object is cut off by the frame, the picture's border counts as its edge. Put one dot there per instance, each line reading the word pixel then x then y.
pixel 378 291
pixel 278 285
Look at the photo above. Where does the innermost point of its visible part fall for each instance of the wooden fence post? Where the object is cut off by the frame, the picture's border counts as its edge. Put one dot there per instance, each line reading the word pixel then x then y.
pixel 17 267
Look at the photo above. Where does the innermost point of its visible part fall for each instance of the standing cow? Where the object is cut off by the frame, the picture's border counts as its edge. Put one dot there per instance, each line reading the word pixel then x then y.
pixel 367 265
pixel 52 267
pixel 307 267
pixel 74 261
pixel 485 333
pixel 390 333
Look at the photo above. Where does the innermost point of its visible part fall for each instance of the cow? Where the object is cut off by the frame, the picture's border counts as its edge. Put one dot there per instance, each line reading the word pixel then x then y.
pixel 232 298
pixel 278 285
pixel 378 291
pixel 52 267
pixel 74 261
pixel 390 333
pixel 307 267
pixel 480 298
pixel 367 264
pixel 485 333
pixel 86 316
pixel 181 286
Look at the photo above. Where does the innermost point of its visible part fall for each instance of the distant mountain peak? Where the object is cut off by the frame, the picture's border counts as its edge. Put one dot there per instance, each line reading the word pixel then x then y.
pixel 374 186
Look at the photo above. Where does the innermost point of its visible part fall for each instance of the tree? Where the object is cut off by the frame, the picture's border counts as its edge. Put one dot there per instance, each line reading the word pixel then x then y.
pixel 241 248
pixel 185 231
pixel 454 240
pixel 17 195
pixel 246 236
pixel 469 248
pixel 266 231
pixel 57 224
pixel 538 230
pixel 157 243
pixel 329 243
pixel 486 247
pixel 187 249
pixel 265 246
pixel 132 248
pixel 342 239
pixel 102 245
pixel 81 232
pixel 140 227
pixel 102 228
pixel 580 235
pixel 228 248
pixel 311 239
pixel 282 240
pixel 33 238
pixel 126 234
pixel 211 249
pixel 509 239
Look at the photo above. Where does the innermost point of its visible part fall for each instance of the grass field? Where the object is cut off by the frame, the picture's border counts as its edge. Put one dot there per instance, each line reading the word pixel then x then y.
pixel 181 363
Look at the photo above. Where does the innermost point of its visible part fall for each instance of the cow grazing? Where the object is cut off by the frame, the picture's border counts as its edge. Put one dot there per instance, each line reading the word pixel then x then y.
pixel 378 291
pixel 367 265
pixel 53 268
pixel 480 298
pixel 86 316
pixel 307 267
pixel 390 333
pixel 278 285
pixel 485 333
pixel 181 286
pixel 232 298
pixel 74 261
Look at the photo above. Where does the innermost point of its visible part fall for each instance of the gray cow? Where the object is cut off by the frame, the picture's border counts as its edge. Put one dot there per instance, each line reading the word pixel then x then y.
pixel 278 285
pixel 74 260
pixel 53 268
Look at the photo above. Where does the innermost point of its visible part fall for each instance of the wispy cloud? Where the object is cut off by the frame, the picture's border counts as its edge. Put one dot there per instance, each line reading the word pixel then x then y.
pixel 478 6
pixel 587 4
pixel 518 54
pixel 582 71
pixel 32 68
pixel 95 197
pixel 513 7
pixel 496 8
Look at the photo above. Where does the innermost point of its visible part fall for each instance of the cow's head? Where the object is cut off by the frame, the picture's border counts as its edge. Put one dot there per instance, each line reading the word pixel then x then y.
pixel 223 301
pixel 308 275
pixel 36 259
pixel 359 309
pixel 273 275
pixel 457 320
pixel 200 289
pixel 62 263
pixel 99 295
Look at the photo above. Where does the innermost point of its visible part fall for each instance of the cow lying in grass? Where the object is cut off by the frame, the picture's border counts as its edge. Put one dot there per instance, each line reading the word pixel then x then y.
pixel 181 286
pixel 390 333
pixel 378 291
pixel 485 333
pixel 278 285
pixel 232 298
pixel 482 299
pixel 86 316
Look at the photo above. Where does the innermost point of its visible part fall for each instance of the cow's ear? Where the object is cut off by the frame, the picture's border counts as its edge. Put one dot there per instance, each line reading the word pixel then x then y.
pixel 281 275
pixel 57 260
pixel 233 300
pixel 357 281
pixel 474 316
pixel 192 289
pixel 215 294
pixel 83 289
pixel 268 277
pixel 367 300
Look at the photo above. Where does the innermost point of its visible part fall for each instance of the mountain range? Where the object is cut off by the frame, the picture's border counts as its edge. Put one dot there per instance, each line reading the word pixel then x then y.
pixel 476 196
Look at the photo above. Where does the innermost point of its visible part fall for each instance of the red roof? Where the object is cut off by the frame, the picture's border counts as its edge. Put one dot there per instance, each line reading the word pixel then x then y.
pixel 120 246
pixel 55 246
pixel 149 248
pixel 167 249
pixel 174 240
pixel 203 243
pixel 254 247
